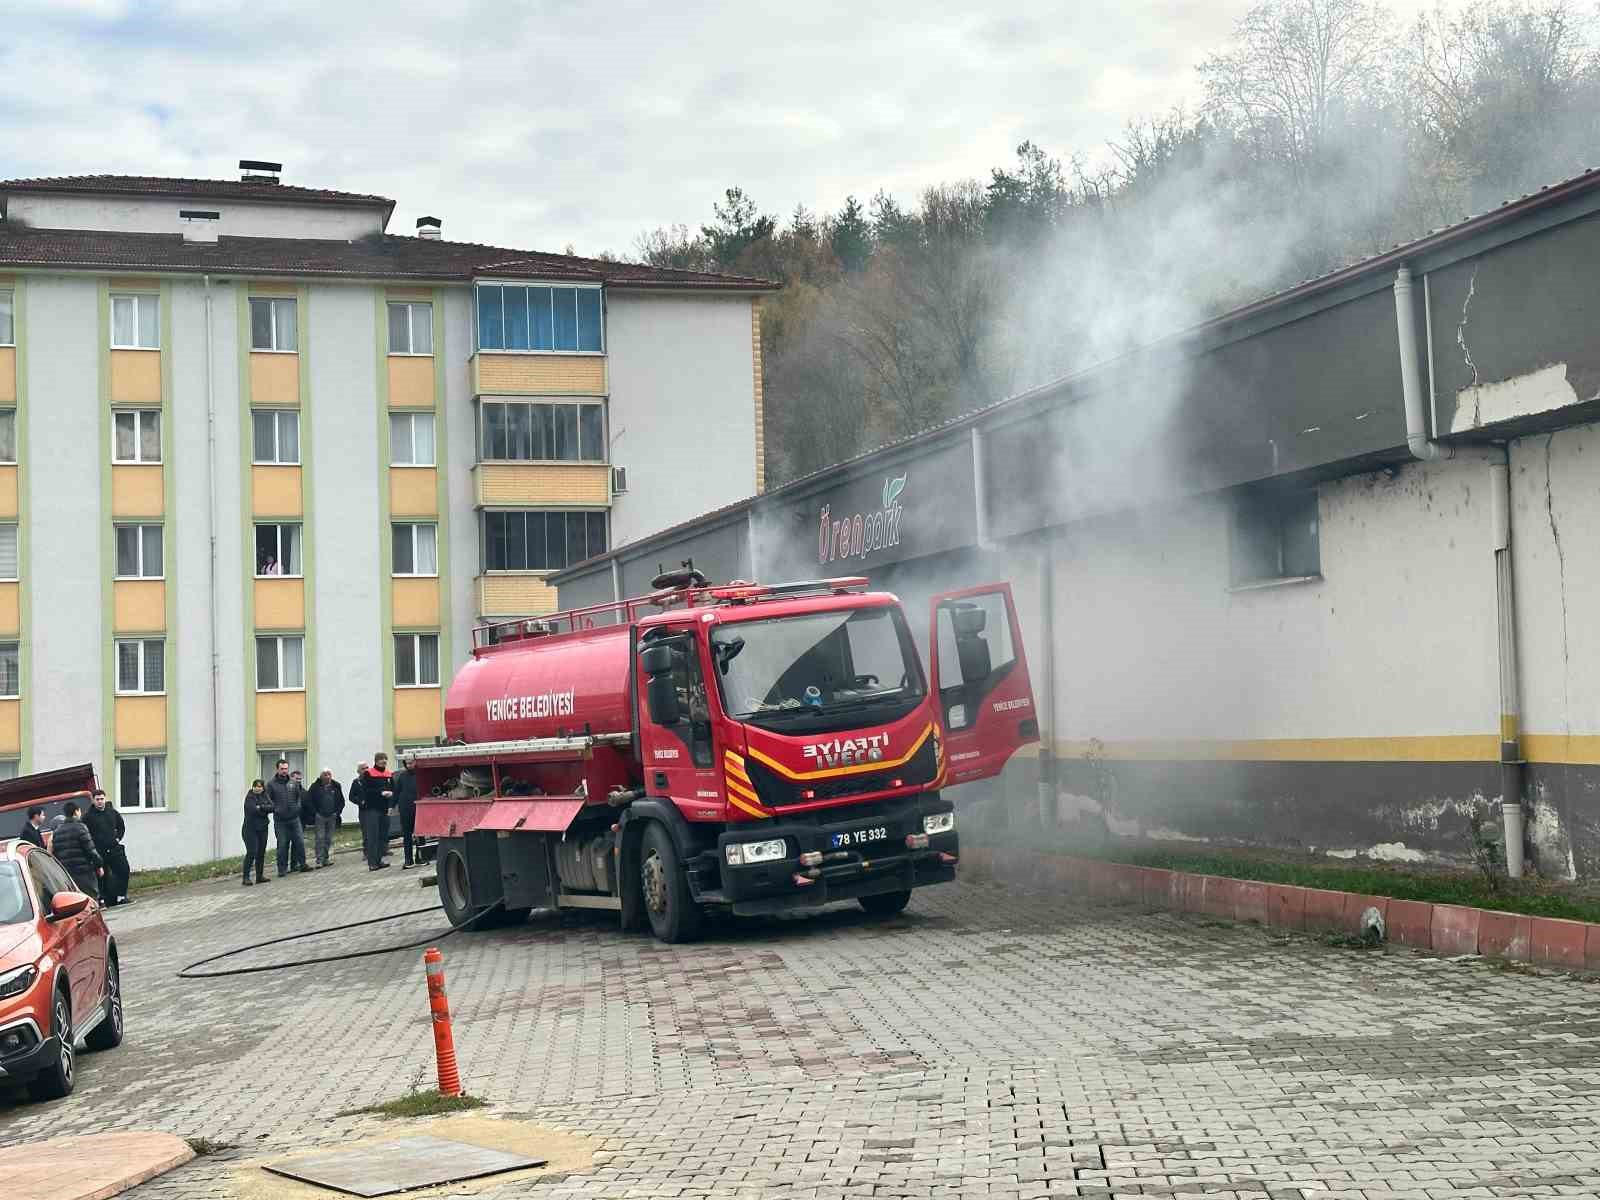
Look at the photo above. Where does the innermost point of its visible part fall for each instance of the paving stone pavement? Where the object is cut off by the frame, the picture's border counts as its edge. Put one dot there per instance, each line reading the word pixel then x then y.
pixel 988 1043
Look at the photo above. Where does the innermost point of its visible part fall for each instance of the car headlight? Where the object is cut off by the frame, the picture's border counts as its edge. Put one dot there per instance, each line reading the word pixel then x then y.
pixel 742 854
pixel 14 983
pixel 938 822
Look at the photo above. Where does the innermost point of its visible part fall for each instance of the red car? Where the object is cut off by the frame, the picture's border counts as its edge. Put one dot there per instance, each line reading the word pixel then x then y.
pixel 59 981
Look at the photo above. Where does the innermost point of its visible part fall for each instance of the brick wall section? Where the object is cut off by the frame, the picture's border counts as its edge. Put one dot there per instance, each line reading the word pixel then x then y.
pixel 1445 929
pixel 542 374
pixel 761 405
pixel 589 486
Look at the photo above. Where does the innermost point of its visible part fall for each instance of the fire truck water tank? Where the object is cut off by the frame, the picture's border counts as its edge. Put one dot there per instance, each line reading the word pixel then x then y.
pixel 543 687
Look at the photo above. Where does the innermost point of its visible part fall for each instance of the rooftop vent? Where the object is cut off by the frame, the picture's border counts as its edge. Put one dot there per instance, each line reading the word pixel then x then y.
pixel 253 170
pixel 430 228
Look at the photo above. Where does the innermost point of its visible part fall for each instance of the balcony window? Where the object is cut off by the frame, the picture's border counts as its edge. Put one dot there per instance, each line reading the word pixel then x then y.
pixel 561 319
pixel 518 432
pixel 541 540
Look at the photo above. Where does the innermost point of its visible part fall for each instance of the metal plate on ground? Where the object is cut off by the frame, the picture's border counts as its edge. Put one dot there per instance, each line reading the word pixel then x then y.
pixel 384 1168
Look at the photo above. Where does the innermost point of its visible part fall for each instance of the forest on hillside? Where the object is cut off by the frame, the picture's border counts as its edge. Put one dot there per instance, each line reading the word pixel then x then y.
pixel 1325 131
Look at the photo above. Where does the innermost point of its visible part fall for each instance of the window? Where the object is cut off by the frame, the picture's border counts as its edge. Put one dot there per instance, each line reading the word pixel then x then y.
pixel 296 759
pixel 280 664
pixel 1274 537
pixel 8 324
pixel 272 325
pixel 8 435
pixel 141 667
pixel 139 552
pixel 9 562
pixel 541 541
pixel 10 670
pixel 135 322
pixel 136 436
pixel 411 439
pixel 142 782
pixel 416 550
pixel 514 317
pixel 416 660
pixel 558 432
pixel 9 768
pixel 277 436
pixel 278 550
pixel 410 328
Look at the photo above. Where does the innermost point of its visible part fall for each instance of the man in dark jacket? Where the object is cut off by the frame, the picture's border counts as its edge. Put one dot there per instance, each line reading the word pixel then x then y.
pixel 257 808
pixel 73 846
pixel 327 802
pixel 32 830
pixel 405 795
pixel 377 793
pixel 106 826
pixel 286 828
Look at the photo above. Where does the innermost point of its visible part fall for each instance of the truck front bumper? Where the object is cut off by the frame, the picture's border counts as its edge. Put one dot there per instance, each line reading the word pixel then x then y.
pixel 902 858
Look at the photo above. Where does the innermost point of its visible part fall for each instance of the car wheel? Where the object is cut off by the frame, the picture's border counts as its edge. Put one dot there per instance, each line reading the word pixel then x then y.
pixel 884 904
pixel 56 1080
pixel 674 916
pixel 108 1034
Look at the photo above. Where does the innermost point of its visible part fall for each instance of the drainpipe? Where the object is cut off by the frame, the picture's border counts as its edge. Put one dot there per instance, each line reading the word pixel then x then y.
pixel 1424 450
pixel 216 614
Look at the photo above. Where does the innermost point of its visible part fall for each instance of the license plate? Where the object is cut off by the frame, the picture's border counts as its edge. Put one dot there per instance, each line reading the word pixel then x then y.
pixel 860 837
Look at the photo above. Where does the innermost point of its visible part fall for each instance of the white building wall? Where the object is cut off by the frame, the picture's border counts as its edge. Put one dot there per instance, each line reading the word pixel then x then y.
pixel 682 407
pixel 1396 640
pixel 345 604
pixel 159 214
pixel 460 419
pixel 64 472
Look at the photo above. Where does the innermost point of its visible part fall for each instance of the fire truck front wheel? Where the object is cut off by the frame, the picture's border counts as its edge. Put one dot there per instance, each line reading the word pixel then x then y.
pixel 664 887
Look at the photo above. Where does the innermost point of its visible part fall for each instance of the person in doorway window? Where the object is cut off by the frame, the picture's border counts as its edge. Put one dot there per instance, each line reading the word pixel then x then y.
pixel 257 808
pixel 107 827
pixel 271 567
pixel 286 828
pixel 33 827
pixel 73 846
pixel 327 801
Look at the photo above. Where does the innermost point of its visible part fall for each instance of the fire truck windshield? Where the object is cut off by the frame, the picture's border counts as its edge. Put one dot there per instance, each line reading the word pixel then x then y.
pixel 788 669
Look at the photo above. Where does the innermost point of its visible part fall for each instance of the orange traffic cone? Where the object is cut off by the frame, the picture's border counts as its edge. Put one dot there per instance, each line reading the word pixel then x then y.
pixel 444 1042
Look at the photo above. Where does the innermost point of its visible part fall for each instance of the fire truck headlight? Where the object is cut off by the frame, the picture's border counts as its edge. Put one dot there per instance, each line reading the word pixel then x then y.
pixel 938 822
pixel 742 854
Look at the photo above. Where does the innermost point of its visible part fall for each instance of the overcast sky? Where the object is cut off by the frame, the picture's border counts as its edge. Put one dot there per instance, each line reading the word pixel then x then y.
pixel 544 123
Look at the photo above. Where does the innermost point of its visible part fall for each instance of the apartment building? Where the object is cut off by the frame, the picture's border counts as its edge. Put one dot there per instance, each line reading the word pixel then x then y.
pixel 263 465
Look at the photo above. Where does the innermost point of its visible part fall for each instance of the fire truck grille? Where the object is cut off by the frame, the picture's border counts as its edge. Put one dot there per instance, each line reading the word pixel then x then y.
pixel 776 792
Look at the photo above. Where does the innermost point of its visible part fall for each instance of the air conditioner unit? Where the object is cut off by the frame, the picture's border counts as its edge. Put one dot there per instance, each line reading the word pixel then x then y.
pixel 619 480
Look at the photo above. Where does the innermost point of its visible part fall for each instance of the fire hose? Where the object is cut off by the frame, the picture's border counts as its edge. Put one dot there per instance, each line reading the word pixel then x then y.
pixel 191 971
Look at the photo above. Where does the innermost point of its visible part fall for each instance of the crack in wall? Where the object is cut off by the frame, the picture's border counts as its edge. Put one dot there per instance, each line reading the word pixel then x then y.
pixel 1461 341
pixel 1561 575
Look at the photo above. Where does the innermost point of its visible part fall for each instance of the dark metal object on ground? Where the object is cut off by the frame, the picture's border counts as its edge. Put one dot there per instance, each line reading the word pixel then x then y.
pixel 401 1165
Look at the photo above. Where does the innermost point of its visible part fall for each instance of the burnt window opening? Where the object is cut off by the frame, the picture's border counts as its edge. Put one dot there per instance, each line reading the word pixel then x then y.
pixel 1274 538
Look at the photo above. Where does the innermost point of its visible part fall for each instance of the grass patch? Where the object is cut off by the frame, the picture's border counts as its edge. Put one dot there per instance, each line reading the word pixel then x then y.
pixel 1434 885
pixel 204 1147
pixel 348 837
pixel 427 1103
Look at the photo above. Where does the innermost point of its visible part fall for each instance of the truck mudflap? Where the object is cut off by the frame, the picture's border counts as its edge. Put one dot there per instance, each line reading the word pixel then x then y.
pixel 833 855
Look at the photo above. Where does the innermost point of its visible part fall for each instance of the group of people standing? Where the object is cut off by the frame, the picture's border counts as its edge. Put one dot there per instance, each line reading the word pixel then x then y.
pixel 291 808
pixel 88 843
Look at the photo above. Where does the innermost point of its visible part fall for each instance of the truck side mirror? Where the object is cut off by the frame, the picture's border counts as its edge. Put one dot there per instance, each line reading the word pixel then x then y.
pixel 656 660
pixel 661 696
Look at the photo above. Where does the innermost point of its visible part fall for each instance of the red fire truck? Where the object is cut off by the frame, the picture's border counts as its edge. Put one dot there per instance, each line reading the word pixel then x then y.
pixel 749 748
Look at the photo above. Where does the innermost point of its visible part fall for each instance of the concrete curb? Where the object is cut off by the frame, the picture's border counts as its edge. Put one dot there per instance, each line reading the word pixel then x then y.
pixel 91 1167
pixel 1446 929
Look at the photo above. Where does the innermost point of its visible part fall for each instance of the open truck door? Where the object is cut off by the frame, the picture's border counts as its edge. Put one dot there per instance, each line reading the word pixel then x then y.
pixel 980 675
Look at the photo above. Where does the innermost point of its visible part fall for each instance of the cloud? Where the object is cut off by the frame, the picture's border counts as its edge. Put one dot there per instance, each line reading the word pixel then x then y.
pixel 546 124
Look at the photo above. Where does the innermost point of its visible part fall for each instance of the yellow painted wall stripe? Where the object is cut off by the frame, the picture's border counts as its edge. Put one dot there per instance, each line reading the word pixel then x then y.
pixel 1473 747
pixel 859 769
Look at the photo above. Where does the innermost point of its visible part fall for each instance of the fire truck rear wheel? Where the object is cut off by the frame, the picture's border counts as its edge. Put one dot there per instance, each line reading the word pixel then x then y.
pixel 884 904
pixel 674 916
